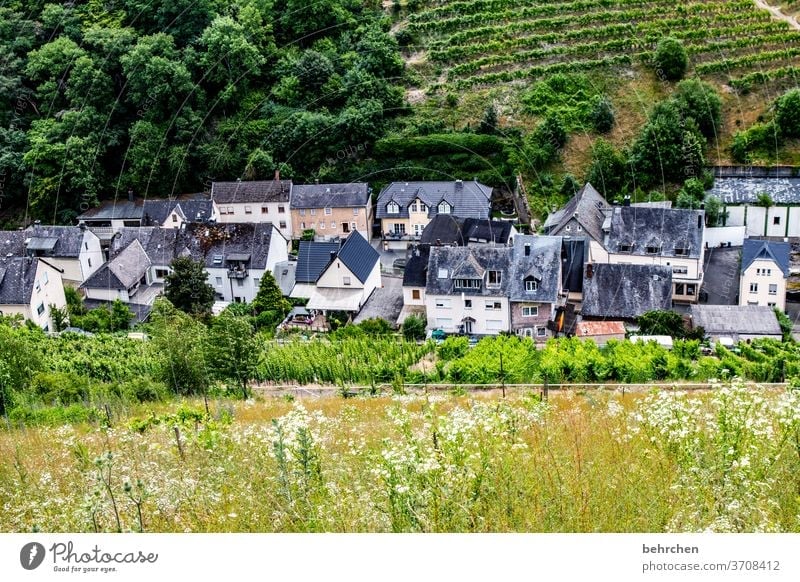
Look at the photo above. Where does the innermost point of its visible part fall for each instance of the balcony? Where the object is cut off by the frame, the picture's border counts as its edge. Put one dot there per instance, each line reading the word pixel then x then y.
pixel 400 236
pixel 238 274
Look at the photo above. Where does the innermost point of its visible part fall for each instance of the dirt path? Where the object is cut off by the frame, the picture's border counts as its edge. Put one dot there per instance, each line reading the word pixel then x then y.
pixel 776 12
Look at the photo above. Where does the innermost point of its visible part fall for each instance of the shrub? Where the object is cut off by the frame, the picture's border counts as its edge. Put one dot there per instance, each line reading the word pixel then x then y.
pixel 453 347
pixel 414 327
pixel 670 59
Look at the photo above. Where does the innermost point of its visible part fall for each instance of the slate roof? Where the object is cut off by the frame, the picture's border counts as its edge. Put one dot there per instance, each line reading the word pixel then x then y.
pixel 12 243
pixel 451 259
pixel 746 190
pixel 255 192
pixel 68 240
pixel 761 249
pixel 353 195
pixel 157 211
pixel 468 199
pixel 666 228
pixel 17 275
pixel 476 230
pixel 543 264
pixel 443 229
pixel 586 207
pixel 205 241
pixel 735 319
pixel 358 255
pixel 312 259
pixel 626 291
pixel 115 210
pixel 122 271
pixel 162 245
pixel 416 271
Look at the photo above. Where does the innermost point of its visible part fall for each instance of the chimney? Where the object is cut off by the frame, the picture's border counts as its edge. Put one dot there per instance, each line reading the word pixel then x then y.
pixel 333 256
pixel 277 175
pixel 130 194
pixel 527 249
pixel 316 180
pixel 438 242
pixel 589 270
pixel 82 226
pixel 459 185
pixel 699 221
pixel 626 201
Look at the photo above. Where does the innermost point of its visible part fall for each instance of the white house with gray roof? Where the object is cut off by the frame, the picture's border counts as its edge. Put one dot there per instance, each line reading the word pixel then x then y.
pixel 764 273
pixel 123 277
pixel 258 201
pixel 31 287
pixel 583 216
pixel 405 208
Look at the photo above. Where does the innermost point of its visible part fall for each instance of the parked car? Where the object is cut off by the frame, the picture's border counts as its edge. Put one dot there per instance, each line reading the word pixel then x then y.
pixel 437 334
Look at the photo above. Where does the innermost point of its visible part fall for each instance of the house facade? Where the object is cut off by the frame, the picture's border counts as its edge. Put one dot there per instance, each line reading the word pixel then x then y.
pixel 331 210
pixel 764 273
pixel 405 208
pixel 264 201
pixel 31 287
pixel 535 285
pixel 123 277
pixel 583 216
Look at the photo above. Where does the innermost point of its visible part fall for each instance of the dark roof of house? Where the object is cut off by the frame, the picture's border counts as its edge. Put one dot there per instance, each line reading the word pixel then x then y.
pixel 62 241
pixel 479 230
pixel 626 291
pixel 761 249
pixel 665 228
pixel 443 229
pixel 204 242
pixel 574 255
pixel 312 259
pixel 353 195
pixel 468 199
pixel 444 261
pixel 747 190
pixel 543 264
pixel 157 211
pixel 256 192
pixel 358 255
pixel 586 207
pixel 17 275
pixel 735 319
pixel 416 271
pixel 122 271
pixel 115 210
pixel 162 245
pixel 12 243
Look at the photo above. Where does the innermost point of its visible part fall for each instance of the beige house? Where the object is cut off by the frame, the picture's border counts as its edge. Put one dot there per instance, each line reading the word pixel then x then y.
pixel 331 210
pixel 258 201
pixel 765 269
pixel 406 208
pixel 31 287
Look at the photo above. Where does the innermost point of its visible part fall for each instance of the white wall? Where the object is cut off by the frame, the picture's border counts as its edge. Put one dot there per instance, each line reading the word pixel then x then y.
pixel 408 296
pixel 278 249
pixel 762 282
pixel 50 292
pixel 230 288
pixel 714 236
pixel 335 274
pixel 256 215
pixel 455 310
pixel 108 294
pixel 91 257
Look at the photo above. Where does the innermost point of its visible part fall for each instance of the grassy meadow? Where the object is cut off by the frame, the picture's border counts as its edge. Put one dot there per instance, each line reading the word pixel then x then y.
pixel 727 459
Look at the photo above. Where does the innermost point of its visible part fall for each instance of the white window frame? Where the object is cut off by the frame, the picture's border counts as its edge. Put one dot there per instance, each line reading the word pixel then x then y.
pixel 393 208
pixel 328 210
pixel 530 311
pixel 753 287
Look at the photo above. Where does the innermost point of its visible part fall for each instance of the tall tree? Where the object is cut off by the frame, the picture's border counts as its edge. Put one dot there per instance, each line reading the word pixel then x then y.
pixel 187 287
pixel 232 350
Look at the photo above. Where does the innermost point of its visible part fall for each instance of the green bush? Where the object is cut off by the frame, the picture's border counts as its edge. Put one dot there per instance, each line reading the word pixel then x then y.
pixel 453 347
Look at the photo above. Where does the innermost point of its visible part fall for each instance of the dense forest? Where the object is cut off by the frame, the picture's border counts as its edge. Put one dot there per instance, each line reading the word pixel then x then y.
pixel 164 97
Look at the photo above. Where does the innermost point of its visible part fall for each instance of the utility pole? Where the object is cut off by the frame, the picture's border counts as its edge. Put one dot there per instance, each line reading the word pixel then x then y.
pixel 502 375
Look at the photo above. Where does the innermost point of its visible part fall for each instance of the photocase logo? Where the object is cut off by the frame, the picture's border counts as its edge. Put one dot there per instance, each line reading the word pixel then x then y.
pixel 32 555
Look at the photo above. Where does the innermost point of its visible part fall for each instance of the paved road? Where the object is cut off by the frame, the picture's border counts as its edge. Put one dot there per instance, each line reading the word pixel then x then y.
pixel 385 302
pixel 721 279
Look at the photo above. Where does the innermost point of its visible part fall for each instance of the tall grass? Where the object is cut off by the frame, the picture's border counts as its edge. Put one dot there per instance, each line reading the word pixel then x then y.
pixel 724 460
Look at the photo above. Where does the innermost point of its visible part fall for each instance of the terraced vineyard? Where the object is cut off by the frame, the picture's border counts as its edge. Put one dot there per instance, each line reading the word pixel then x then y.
pixel 491 42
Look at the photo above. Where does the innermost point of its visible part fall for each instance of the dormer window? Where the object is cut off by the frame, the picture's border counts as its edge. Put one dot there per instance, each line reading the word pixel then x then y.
pixel 442 273
pixel 393 208
pixel 217 259
pixel 652 249
pixel 531 284
pixel 495 278
pixel 681 251
pixel 444 207
pixel 422 206
pixel 625 248
pixel 467 283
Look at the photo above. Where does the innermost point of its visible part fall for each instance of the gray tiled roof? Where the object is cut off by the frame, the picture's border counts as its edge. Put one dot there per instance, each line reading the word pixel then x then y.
pixel 162 245
pixel 69 239
pixel 122 271
pixel 312 258
pixel 157 211
pixel 479 230
pixel 735 319
pixel 666 228
pixel 586 207
pixel 468 199
pixel 761 249
pixel 359 256
pixel 444 229
pixel 626 291
pixel 256 192
pixel 115 210
pixel 543 264
pixel 354 195
pixel 747 190
pixel 205 241
pixel 451 259
pixel 17 275
pixel 12 243
pixel 416 271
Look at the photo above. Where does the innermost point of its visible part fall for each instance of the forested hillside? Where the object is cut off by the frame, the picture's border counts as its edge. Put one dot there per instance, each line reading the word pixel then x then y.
pixel 163 97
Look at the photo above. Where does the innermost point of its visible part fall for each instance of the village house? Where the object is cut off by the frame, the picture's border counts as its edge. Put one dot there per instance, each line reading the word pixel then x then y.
pixel 256 201
pixel 123 277
pixel 31 287
pixel 583 216
pixel 405 208
pixel 736 322
pixel 446 229
pixel 764 272
pixel 415 279
pixel 174 213
pixel 614 291
pixel 331 210
pixel 535 286
pixel 468 289
pixel 349 279
pixel 312 259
